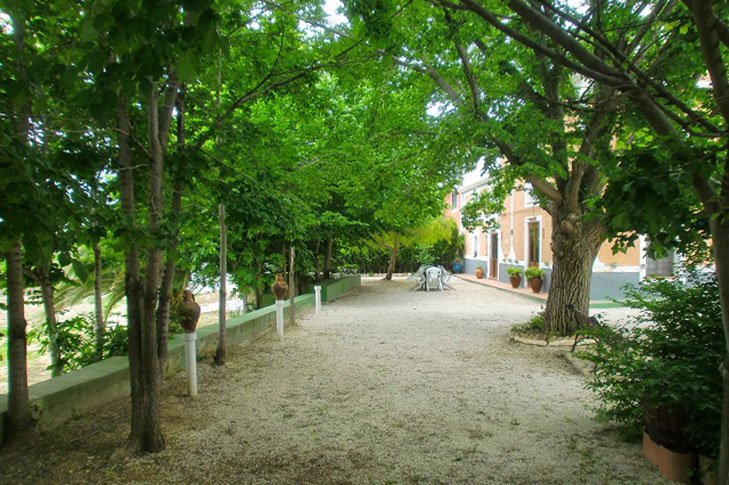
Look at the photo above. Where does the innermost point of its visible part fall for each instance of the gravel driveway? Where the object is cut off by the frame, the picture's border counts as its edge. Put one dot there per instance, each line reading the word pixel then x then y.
pixel 385 386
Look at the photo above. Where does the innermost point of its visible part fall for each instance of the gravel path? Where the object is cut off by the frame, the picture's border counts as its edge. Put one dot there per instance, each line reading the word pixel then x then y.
pixel 385 386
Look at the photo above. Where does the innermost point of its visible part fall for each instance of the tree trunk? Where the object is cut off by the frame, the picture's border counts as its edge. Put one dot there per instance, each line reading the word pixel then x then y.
pixel 168 278
pixel 18 419
pixel 393 260
pixel 292 288
pixel 316 261
pixel 98 306
pixel 165 294
pixel 328 258
pixel 574 247
pixel 145 380
pixel 44 279
pixel 220 352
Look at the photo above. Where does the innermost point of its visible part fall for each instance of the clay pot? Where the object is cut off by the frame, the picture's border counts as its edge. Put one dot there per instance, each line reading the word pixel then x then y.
pixel 279 287
pixel 479 273
pixel 189 312
pixel 674 465
pixel 536 284
pixel 666 425
pixel 515 281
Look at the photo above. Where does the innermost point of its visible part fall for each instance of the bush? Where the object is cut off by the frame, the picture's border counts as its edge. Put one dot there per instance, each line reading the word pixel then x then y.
pixel 425 255
pixel 534 325
pixel 668 356
pixel 76 341
pixel 533 272
pixel 514 271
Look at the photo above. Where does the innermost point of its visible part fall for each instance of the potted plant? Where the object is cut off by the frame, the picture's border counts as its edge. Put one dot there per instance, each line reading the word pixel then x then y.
pixel 534 276
pixel 479 272
pixel 658 373
pixel 514 276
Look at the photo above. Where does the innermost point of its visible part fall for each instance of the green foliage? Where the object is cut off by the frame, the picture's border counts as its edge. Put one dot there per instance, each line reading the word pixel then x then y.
pixel 534 325
pixel 514 271
pixel 425 255
pixel 669 355
pixel 648 196
pixel 435 243
pixel 76 341
pixel 533 272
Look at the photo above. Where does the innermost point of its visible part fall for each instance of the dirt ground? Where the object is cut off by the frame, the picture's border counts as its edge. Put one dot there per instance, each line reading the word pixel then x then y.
pixel 385 386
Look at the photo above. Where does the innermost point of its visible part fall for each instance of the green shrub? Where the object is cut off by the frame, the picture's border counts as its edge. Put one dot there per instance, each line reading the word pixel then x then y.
pixel 76 341
pixel 533 272
pixel 514 271
pixel 534 325
pixel 425 255
pixel 669 355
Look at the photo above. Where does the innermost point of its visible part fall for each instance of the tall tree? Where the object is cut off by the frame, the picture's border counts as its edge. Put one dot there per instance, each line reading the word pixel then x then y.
pixel 540 123
pixel 655 55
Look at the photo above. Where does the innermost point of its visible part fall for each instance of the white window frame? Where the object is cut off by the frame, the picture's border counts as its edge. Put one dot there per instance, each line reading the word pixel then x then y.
pixel 529 201
pixel 527 220
pixel 455 195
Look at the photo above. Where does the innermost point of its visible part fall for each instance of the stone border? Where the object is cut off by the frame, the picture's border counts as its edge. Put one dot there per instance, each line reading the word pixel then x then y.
pixel 57 400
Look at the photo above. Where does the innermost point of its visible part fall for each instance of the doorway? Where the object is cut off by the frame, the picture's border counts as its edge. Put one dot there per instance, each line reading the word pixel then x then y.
pixel 533 243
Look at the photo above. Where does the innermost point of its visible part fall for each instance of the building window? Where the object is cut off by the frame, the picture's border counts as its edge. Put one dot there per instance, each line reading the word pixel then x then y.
pixel 529 200
pixel 454 200
pixel 475 245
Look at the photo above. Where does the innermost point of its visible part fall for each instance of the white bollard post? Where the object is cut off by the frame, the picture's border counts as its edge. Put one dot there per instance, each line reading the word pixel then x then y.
pixel 317 298
pixel 191 363
pixel 280 317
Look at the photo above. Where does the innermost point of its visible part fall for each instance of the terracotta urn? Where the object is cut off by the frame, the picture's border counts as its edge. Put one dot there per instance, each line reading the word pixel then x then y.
pixel 279 287
pixel 479 273
pixel 189 312
pixel 536 284
pixel 515 281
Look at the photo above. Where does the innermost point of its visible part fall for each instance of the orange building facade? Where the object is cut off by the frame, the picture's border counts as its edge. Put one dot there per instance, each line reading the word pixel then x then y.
pixel 522 239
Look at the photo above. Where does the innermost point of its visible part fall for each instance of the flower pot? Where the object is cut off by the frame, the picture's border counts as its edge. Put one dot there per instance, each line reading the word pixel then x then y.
pixel 279 287
pixel 515 281
pixel 189 311
pixel 536 284
pixel 457 268
pixel 665 425
pixel 479 273
pixel 677 466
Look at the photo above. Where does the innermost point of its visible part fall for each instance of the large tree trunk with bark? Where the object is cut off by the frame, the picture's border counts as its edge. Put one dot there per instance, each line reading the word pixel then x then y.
pixel 100 326
pixel 574 247
pixel 328 258
pixel 49 307
pixel 393 261
pixel 18 419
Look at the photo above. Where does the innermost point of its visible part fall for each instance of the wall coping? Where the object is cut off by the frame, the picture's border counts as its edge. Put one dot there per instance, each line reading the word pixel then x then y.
pixel 84 390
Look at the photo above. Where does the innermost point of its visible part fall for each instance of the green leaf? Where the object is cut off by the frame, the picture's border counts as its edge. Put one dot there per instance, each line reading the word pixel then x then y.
pixel 185 67
pixel 80 270
pixel 64 259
